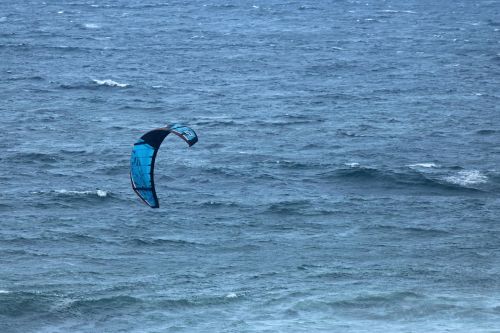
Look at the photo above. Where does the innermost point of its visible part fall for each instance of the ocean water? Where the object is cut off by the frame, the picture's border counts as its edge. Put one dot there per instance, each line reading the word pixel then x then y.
pixel 346 179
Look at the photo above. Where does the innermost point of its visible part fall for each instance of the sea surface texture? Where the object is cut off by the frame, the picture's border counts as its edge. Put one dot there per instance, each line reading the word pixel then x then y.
pixel 346 177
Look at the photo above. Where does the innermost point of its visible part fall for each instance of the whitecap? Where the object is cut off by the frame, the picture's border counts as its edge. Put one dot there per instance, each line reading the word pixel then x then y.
pixel 423 165
pixel 231 295
pixel 467 177
pixel 352 165
pixel 99 193
pixel 393 11
pixel 4 291
pixel 91 26
pixel 110 83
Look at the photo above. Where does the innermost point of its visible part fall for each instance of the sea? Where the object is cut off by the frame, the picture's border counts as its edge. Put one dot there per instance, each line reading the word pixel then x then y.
pixel 346 178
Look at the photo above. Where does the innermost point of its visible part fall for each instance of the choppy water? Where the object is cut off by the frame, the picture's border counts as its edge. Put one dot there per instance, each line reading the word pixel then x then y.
pixel 346 178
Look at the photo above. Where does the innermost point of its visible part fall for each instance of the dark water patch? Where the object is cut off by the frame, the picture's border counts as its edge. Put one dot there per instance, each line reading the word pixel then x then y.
pixel 20 304
pixel 5 207
pixel 53 236
pixel 221 6
pixel 195 302
pixel 486 132
pixel 493 23
pixel 78 152
pixel 221 171
pixel 379 299
pixel 306 267
pixel 115 170
pixel 265 176
pixel 288 207
pixel 308 7
pixel 98 306
pixel 290 119
pixel 162 242
pixel 21 240
pixel 264 275
pixel 349 134
pixel 26 78
pixel 409 231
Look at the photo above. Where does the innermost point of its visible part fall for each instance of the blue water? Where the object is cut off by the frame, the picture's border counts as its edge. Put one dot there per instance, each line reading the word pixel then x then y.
pixel 346 179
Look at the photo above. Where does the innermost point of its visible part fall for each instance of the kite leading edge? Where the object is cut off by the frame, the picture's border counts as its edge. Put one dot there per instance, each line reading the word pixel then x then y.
pixel 142 160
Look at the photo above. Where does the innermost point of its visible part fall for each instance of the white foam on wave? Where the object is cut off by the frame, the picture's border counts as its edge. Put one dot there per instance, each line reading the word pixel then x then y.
pixel 467 177
pixel 91 25
pixel 424 165
pixel 394 11
pixel 352 165
pixel 4 291
pixel 99 193
pixel 110 83
pixel 231 295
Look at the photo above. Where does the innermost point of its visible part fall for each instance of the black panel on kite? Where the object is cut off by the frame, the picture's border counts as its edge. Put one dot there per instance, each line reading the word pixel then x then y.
pixel 143 157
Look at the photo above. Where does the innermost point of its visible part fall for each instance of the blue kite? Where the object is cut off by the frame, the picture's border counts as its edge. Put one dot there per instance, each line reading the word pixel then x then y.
pixel 142 160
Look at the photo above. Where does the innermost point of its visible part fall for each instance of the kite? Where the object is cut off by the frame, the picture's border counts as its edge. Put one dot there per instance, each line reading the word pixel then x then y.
pixel 142 160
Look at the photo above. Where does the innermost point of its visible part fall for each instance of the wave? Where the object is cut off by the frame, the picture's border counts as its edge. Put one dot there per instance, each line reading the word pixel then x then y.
pixel 22 303
pixel 104 304
pixel 288 164
pixel 99 193
pixel 368 304
pixel 408 179
pixel 68 198
pixel 111 83
pixel 290 119
pixel 423 165
pixel 288 207
pixel 5 207
pixel 161 242
pixel 95 84
pixel 414 231
pixel 218 204
pixel 16 304
pixel 30 157
pixel 379 299
pixel 30 77
pixel 467 177
pixel 394 11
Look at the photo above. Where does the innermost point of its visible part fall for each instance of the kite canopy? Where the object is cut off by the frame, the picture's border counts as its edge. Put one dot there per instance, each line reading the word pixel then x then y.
pixel 142 160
